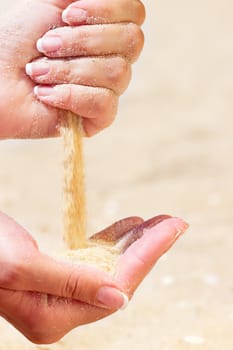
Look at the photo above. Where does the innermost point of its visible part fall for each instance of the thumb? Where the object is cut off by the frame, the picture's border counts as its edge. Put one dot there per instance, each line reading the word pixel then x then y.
pixel 69 280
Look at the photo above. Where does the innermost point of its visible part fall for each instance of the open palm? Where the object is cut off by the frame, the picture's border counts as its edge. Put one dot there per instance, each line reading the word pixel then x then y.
pixel 45 298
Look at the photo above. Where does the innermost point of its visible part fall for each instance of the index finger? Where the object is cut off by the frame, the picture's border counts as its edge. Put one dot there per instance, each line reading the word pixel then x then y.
pixel 104 11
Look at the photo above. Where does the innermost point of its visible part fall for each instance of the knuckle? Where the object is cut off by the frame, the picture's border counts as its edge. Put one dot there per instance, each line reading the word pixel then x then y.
pixel 140 261
pixel 106 106
pixel 64 71
pixel 135 41
pixel 140 11
pixel 7 276
pixel 60 72
pixel 119 74
pixel 10 274
pixel 67 99
pixel 72 287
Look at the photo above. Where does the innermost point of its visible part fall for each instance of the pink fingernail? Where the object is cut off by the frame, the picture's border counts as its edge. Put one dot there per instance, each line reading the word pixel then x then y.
pixel 112 298
pixel 181 227
pixel 49 44
pixel 37 68
pixel 43 91
pixel 74 15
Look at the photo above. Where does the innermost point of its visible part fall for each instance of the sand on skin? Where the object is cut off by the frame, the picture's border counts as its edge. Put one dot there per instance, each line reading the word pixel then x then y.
pixel 169 151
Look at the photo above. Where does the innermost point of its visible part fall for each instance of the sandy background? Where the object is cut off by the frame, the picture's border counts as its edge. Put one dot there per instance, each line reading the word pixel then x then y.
pixel 170 151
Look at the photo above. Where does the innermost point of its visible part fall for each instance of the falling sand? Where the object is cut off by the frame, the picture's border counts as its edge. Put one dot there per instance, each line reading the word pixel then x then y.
pixel 80 249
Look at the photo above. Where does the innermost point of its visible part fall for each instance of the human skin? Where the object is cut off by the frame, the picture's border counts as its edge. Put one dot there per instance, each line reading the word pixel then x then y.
pixel 89 71
pixel 37 291
pixel 45 298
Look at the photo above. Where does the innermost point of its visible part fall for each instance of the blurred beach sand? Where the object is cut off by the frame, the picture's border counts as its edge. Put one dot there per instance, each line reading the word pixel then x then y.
pixel 169 151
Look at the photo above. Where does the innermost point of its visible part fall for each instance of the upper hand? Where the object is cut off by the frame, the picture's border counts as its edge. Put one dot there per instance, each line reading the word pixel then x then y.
pixel 45 298
pixel 87 65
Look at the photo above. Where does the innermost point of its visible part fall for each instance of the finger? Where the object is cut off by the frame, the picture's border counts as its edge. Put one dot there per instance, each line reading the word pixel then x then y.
pixel 118 229
pixel 112 73
pixel 56 316
pixel 93 40
pixel 141 256
pixel 137 232
pixel 25 268
pixel 97 106
pixel 71 280
pixel 30 270
pixel 103 11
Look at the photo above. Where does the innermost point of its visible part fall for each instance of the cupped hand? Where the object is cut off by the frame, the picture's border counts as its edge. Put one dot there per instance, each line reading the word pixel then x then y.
pixel 83 65
pixel 45 298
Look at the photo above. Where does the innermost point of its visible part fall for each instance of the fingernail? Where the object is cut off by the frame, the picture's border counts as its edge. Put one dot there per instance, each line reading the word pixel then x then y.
pixel 37 68
pixel 43 91
pixel 49 44
pixel 74 14
pixel 170 229
pixel 112 298
pixel 181 226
